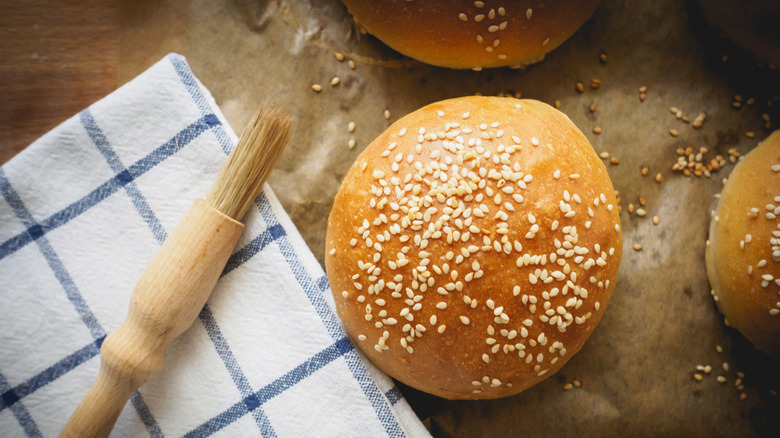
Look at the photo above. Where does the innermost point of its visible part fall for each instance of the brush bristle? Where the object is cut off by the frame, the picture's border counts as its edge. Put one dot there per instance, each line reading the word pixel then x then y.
pixel 249 164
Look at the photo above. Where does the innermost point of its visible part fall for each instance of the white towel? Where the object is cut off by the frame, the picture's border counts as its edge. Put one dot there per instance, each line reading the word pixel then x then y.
pixel 82 211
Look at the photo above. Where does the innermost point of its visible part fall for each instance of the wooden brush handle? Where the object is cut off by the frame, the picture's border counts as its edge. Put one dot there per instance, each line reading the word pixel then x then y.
pixel 166 300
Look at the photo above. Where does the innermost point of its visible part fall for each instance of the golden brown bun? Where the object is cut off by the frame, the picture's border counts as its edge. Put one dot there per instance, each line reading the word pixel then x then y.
pixel 473 246
pixel 743 251
pixel 461 34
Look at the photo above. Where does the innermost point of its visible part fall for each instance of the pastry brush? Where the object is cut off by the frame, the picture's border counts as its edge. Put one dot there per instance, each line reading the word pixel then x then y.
pixel 177 282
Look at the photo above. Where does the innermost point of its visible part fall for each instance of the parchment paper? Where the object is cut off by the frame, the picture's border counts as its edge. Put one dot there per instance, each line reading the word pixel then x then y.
pixel 636 373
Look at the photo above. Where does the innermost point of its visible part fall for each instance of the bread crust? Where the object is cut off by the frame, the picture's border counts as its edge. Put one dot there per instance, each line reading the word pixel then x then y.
pixel 459 34
pixel 743 250
pixel 461 302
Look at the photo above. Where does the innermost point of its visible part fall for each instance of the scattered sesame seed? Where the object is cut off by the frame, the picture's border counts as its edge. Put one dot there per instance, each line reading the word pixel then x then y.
pixel 316 87
pixel 339 56
pixel 637 247
pixel 335 81
pixel 673 132
pixel 597 130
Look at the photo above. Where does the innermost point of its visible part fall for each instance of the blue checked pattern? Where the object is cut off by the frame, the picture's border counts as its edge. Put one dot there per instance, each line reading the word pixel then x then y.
pixel 251 399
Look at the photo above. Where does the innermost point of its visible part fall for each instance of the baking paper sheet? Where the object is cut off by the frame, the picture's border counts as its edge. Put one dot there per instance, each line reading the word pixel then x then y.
pixel 636 373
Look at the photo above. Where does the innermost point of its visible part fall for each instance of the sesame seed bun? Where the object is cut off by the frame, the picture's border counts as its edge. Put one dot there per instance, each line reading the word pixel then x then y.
pixel 743 250
pixel 473 246
pixel 466 34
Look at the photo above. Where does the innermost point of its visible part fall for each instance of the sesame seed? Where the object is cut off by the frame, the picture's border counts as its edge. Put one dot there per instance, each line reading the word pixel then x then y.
pixel 637 247
pixel 316 87
pixel 597 130
pixel 351 127
pixel 335 81
pixel 463 17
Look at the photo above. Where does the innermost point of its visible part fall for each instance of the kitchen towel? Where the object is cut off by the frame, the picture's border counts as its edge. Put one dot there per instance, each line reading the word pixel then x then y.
pixel 83 210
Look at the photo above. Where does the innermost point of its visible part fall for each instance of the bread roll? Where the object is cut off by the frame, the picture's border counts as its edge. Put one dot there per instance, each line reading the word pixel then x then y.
pixel 473 246
pixel 743 250
pixel 467 34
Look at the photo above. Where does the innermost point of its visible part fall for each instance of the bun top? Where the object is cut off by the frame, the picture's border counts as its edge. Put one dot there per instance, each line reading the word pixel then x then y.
pixel 466 34
pixel 743 251
pixel 472 248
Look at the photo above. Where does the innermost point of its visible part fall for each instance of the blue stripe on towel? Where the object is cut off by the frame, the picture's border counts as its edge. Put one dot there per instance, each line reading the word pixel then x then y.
pixel 233 367
pixel 329 319
pixel 278 386
pixel 56 265
pixel 191 84
pixel 53 260
pixel 123 175
pixel 111 186
pixel 11 399
pixel 252 248
pixel 142 409
pixel 54 372
pixel 393 395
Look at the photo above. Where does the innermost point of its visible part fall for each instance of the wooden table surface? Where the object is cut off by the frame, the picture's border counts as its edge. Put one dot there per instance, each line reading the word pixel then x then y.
pixel 58 57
